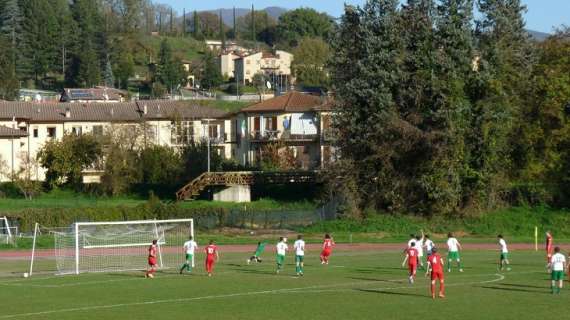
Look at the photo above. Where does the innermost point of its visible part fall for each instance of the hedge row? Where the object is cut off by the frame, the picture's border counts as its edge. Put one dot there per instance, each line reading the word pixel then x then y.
pixel 205 217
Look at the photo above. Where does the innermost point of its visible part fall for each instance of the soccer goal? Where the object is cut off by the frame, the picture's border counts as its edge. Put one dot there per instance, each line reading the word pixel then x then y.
pixel 120 246
pixel 7 233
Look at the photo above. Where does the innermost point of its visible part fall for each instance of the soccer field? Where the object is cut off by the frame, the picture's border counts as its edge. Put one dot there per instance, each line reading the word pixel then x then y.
pixel 356 285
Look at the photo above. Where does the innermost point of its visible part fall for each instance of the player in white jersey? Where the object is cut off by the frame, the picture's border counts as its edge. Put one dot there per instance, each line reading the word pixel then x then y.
pixel 299 247
pixel 419 246
pixel 428 244
pixel 190 247
pixel 281 249
pixel 412 240
pixel 504 258
pixel 557 267
pixel 453 247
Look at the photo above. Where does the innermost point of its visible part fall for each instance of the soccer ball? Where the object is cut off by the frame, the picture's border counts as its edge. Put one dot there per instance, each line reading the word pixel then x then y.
pixel 150 275
pixel 26 275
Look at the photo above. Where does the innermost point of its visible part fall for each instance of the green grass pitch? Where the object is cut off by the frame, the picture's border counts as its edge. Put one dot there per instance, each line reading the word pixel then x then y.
pixel 356 285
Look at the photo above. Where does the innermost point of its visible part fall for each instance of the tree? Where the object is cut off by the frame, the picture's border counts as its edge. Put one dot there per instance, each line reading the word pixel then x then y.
pixel 66 159
pixel 211 76
pixel 497 92
pixel 25 178
pixel 366 69
pixel 10 26
pixel 108 75
pixel 170 71
pixel 544 133
pixel 160 166
pixel 9 83
pixel 124 69
pixel 276 156
pixel 249 28
pixel 301 23
pixel 86 55
pixel 309 64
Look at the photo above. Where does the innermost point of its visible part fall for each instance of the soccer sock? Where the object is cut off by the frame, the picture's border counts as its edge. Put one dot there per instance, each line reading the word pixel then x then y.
pixel 441 288
pixel 433 289
pixel 184 266
pixel 553 289
pixel 459 265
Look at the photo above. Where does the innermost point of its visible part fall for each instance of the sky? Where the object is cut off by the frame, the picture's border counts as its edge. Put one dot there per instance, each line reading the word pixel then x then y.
pixel 542 15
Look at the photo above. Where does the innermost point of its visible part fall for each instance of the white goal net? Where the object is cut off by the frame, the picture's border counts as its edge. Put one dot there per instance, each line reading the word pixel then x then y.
pixel 120 246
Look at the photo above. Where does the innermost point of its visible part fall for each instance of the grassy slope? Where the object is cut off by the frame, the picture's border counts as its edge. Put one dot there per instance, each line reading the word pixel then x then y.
pixel 357 285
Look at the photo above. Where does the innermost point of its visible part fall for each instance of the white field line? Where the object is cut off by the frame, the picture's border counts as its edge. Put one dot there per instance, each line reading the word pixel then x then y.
pixel 221 296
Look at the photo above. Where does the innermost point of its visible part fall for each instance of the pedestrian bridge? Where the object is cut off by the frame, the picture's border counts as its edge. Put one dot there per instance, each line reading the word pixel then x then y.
pixel 237 185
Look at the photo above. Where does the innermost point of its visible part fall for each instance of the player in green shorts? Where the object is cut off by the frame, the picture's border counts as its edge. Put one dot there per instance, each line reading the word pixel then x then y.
pixel 281 249
pixel 258 251
pixel 190 247
pixel 453 247
pixel 557 267
pixel 504 258
pixel 299 247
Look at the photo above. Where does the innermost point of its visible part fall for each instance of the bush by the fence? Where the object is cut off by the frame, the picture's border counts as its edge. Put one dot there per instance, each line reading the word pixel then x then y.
pixel 206 217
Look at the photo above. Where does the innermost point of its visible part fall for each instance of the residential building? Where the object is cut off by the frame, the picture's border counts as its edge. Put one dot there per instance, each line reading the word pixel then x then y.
pixel 276 63
pixel 26 127
pixel 93 95
pixel 217 45
pixel 296 121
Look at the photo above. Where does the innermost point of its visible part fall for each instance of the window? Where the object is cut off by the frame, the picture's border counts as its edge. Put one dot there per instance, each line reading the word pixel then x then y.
pixel 213 131
pixel 76 130
pixel 271 123
pixel 35 132
pixel 181 132
pixel 98 131
pixel 51 132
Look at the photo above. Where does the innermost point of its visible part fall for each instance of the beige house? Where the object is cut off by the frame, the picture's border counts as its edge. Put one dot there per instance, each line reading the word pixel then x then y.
pixel 26 127
pixel 297 121
pixel 269 63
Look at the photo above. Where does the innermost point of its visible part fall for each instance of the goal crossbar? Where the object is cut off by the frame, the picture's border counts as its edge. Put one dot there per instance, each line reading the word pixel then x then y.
pixel 131 222
pixel 125 245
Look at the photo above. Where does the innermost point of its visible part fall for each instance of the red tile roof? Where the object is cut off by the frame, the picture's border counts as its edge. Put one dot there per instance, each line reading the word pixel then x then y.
pixel 293 101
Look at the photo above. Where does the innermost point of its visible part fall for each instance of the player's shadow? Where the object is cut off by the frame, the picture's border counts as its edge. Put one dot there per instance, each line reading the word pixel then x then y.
pixel 255 271
pixel 514 289
pixel 521 285
pixel 395 293
pixel 375 279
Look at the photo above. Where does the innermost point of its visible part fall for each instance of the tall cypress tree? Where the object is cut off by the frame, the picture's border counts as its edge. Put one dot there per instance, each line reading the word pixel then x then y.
pixel 235 25
pixel 9 83
pixel 253 34
pixel 196 22
pixel 11 27
pixel 222 32
pixel 366 68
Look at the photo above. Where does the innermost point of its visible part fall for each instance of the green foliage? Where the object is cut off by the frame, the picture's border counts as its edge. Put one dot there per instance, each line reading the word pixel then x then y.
pixel 300 23
pixel 65 159
pixel 9 83
pixel 514 222
pixel 309 64
pixel 426 107
pixel 210 74
pixel 170 72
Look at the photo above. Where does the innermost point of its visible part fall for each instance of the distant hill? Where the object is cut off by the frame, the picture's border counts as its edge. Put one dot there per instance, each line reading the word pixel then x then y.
pixel 538 36
pixel 228 14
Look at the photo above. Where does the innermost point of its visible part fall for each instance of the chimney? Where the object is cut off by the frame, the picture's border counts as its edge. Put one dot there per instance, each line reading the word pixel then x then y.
pixel 112 112
pixel 67 113
pixel 145 110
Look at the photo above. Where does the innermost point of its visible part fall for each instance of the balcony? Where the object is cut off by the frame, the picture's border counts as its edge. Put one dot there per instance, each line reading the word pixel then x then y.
pixel 266 135
pixel 288 136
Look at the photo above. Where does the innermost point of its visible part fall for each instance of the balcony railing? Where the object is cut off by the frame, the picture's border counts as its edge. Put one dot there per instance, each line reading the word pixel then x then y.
pixel 266 135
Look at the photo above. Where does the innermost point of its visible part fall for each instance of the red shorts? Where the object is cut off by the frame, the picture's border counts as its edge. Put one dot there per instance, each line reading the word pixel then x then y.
pixel 210 264
pixel 437 275
pixel 152 261
pixel 412 268
pixel 326 252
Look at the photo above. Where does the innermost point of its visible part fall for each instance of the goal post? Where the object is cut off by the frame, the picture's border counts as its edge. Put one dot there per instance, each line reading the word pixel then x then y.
pixel 120 246
pixel 6 231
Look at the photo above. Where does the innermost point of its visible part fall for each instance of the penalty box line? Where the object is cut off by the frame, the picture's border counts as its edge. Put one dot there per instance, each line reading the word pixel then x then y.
pixel 222 296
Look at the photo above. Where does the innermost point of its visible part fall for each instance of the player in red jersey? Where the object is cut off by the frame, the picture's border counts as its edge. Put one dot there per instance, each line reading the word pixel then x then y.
pixel 151 260
pixel 435 265
pixel 412 259
pixel 211 257
pixel 328 244
pixel 549 246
